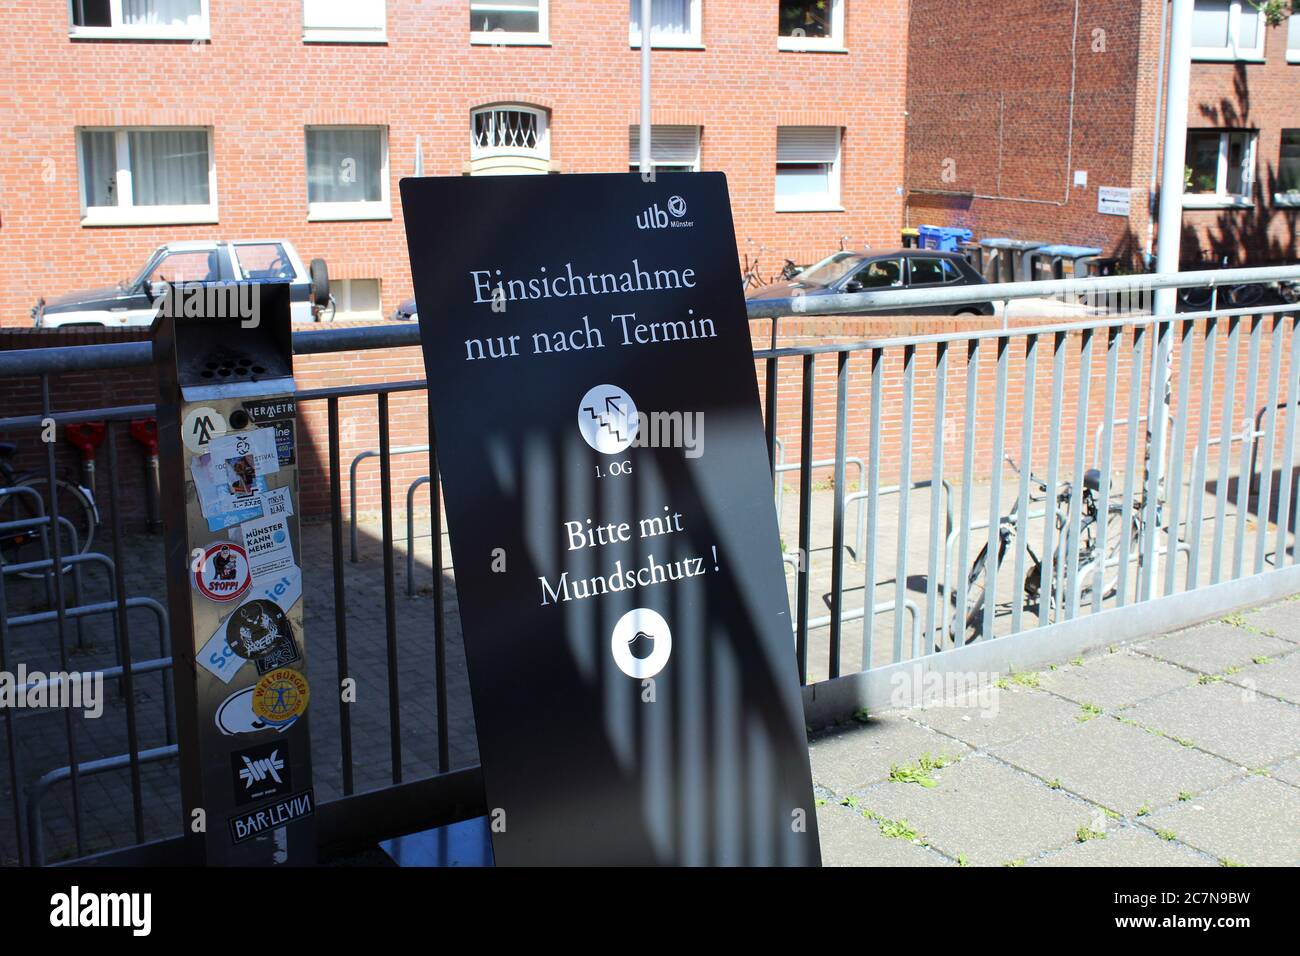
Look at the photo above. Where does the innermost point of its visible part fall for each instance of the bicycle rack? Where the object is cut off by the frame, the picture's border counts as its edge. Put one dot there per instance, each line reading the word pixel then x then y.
pixel 352 483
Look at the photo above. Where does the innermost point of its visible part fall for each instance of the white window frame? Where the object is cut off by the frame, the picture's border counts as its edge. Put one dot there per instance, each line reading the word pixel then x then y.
pixel 692 41
pixel 542 150
pixel 634 162
pixel 829 202
pixel 319 34
pixel 1293 38
pixel 348 211
pixel 502 38
pixel 125 213
pixel 1220 199
pixel 120 31
pixel 1291 198
pixel 1233 51
pixel 835 43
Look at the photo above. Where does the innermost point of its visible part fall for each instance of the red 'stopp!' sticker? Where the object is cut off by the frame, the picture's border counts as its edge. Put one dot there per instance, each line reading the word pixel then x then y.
pixel 223 574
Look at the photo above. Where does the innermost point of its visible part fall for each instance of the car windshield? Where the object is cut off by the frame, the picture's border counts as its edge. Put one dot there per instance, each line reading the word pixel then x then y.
pixel 142 274
pixel 831 269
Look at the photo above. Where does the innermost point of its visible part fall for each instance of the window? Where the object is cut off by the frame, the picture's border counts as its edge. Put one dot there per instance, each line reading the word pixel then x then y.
pixel 142 176
pixel 266 261
pixel 518 22
pixel 928 271
pixel 672 23
pixel 673 149
pixel 356 298
pixel 186 265
pixel 810 25
pixel 140 19
pixel 509 139
pixel 1227 30
pixel 347 172
pixel 1220 168
pixel 1288 169
pixel 343 21
pixel 1293 38
pixel 880 274
pixel 807 168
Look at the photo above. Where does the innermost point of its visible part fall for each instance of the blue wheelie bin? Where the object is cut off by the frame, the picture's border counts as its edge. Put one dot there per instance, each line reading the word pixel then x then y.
pixel 943 238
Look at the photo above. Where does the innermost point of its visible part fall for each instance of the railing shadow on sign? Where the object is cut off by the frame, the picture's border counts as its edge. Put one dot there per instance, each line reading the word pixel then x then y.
pixel 918 408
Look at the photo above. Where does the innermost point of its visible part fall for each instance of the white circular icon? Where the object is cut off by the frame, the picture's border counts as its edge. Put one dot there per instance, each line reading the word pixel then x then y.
pixel 641 643
pixel 677 206
pixel 200 427
pixel 607 419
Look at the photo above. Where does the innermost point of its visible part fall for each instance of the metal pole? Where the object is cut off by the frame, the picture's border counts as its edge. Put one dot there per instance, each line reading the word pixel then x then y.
pixel 644 159
pixel 1175 150
pixel 1169 244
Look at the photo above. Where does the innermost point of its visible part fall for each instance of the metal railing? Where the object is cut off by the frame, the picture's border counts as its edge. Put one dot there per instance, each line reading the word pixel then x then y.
pixel 945 429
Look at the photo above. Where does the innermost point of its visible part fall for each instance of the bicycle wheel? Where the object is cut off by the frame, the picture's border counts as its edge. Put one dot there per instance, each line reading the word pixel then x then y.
pixel 75 505
pixel 971 623
pixel 1197 298
pixel 1244 296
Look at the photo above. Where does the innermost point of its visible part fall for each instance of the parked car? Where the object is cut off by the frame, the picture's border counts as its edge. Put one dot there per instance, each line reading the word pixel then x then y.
pixel 133 301
pixel 846 271
pixel 406 311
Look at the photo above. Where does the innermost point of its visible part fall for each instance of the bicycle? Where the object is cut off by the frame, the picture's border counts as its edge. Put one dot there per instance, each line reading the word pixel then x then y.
pixel 1240 296
pixel 1076 586
pixel 30 543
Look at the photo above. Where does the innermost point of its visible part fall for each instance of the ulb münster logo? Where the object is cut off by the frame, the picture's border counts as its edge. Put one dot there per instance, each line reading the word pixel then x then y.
pixel 655 218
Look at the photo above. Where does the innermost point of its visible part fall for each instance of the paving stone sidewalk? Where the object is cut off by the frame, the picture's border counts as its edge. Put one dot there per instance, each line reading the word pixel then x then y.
pixel 1180 750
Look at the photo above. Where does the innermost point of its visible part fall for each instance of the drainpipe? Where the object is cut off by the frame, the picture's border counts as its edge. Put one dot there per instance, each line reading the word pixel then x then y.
pixel 646 167
pixel 1153 191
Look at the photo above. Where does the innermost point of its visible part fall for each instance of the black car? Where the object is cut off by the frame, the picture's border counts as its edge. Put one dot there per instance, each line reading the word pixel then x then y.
pixel 874 271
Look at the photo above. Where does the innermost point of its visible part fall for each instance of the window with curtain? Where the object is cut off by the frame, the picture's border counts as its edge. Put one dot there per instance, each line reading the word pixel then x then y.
pixel 508 21
pixel 145 19
pixel 807 168
pixel 1293 38
pixel 344 21
pixel 1227 30
pixel 672 22
pixel 673 149
pixel 347 172
pixel 146 175
pixel 810 24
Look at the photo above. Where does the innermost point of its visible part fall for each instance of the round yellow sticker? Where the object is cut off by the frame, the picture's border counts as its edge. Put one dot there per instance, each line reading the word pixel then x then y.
pixel 281 696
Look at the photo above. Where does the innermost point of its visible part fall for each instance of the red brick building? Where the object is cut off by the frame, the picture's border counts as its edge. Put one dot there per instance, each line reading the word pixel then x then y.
pixel 130 123
pixel 1034 124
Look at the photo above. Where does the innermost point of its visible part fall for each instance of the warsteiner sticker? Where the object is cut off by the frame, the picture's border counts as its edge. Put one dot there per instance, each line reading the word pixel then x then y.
pixel 280 696
pixel 257 628
pixel 223 573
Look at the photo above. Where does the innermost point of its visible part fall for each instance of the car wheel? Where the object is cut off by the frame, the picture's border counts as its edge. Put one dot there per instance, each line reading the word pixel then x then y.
pixel 320 282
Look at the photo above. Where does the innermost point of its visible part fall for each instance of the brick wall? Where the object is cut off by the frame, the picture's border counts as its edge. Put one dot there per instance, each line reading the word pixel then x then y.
pixel 257 85
pixel 1000 119
pixel 992 118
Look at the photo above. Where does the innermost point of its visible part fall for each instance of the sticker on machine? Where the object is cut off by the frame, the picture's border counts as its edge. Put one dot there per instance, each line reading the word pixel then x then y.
pixel 235 716
pixel 246 455
pixel 277 503
pixel 222 573
pixel 280 696
pixel 201 427
pixel 256 628
pixel 268 545
pixel 221 503
pixel 218 655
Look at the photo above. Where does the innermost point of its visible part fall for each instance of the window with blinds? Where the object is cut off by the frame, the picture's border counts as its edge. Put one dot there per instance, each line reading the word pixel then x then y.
pixel 673 149
pixel 508 21
pixel 344 21
pixel 672 23
pixel 807 168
